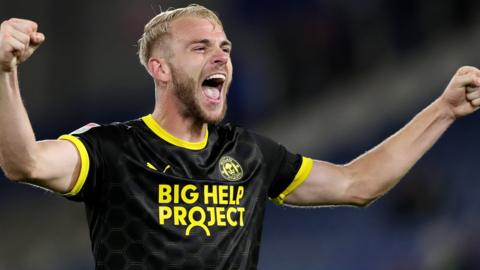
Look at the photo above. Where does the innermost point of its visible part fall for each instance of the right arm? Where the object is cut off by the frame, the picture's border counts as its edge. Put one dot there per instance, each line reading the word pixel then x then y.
pixel 53 164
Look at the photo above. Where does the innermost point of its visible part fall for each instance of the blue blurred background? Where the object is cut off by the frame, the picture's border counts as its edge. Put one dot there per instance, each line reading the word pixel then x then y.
pixel 328 79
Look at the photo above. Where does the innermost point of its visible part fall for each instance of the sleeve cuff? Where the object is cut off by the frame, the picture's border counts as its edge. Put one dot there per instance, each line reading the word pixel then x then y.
pixel 84 164
pixel 302 174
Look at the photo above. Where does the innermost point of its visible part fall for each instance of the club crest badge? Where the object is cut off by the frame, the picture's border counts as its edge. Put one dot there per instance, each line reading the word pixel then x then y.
pixel 230 168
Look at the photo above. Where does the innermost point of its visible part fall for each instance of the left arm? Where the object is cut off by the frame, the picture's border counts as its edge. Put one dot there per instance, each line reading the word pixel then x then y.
pixel 372 174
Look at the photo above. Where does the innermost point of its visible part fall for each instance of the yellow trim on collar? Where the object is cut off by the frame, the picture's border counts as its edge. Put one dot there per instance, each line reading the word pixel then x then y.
pixel 157 129
pixel 84 161
pixel 302 174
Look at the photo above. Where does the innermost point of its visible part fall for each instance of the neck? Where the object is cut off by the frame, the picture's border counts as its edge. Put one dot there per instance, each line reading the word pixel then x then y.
pixel 167 115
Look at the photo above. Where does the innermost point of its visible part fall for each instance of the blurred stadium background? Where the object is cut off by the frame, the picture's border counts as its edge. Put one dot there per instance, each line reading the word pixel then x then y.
pixel 329 79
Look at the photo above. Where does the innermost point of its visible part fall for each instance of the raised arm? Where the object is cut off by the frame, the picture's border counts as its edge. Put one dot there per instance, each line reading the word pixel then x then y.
pixel 372 174
pixel 52 164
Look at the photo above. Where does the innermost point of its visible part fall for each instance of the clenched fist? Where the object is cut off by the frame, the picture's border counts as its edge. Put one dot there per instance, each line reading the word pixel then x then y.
pixel 462 94
pixel 18 40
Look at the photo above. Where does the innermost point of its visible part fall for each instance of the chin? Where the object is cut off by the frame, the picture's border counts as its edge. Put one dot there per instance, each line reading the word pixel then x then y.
pixel 214 117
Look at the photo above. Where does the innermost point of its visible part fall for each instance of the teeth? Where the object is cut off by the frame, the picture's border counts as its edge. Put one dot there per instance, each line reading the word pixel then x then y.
pixel 216 76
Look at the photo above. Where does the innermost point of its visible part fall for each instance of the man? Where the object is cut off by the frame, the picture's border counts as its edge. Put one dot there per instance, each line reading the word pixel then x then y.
pixel 176 190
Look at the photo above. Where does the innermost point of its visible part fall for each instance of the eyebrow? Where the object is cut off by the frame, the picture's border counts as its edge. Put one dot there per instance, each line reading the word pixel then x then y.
pixel 208 42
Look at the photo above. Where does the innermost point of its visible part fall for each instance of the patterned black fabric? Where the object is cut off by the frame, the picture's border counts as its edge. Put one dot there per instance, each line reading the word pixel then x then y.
pixel 154 205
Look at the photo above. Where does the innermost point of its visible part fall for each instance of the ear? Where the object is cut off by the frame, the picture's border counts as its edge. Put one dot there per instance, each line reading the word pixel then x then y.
pixel 159 69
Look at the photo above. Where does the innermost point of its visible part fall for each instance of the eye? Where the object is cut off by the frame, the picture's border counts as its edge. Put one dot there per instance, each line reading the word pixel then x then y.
pixel 199 49
pixel 227 49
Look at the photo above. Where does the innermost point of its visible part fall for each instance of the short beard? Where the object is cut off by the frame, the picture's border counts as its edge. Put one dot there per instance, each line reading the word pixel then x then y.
pixel 185 90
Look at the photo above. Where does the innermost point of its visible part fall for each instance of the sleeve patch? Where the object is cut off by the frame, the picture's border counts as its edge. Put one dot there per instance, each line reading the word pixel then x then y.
pixel 85 128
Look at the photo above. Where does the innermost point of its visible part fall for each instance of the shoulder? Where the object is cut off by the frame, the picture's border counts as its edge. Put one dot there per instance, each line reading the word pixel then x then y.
pixel 108 130
pixel 230 131
pixel 102 139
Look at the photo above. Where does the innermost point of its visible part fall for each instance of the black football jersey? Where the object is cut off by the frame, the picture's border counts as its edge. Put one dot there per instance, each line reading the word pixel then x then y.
pixel 154 201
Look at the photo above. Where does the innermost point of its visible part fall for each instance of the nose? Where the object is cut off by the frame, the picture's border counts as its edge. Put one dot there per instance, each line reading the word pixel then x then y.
pixel 220 57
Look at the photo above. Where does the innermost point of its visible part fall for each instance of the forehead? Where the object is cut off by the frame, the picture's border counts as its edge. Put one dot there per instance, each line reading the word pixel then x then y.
pixel 191 28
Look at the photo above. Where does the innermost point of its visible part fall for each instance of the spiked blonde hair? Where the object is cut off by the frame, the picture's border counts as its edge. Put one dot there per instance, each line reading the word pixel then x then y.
pixel 157 29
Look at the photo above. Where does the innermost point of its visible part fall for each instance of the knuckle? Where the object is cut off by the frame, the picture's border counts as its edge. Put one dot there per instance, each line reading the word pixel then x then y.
pixel 34 26
pixel 465 69
pixel 461 70
pixel 5 25
pixel 21 47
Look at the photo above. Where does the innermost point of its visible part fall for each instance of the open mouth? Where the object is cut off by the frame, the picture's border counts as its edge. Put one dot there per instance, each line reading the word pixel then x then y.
pixel 212 86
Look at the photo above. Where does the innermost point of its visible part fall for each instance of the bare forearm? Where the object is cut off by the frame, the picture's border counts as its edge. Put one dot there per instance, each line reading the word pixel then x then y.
pixel 17 140
pixel 378 170
pixel 53 164
pixel 375 172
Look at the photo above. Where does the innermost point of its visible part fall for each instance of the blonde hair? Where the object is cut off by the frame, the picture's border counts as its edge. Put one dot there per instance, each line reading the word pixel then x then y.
pixel 157 29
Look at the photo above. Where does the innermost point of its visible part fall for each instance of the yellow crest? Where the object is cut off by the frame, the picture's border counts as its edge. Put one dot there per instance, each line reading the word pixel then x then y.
pixel 230 168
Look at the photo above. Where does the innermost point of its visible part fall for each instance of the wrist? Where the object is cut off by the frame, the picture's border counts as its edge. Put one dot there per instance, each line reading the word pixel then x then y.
pixel 6 71
pixel 9 67
pixel 9 78
pixel 4 74
pixel 445 109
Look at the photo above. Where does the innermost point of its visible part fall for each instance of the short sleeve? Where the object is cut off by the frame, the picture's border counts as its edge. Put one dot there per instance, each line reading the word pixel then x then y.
pixel 86 141
pixel 289 183
pixel 286 170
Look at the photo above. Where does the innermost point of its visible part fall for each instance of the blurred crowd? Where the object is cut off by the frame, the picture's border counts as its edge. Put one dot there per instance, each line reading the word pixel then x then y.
pixel 285 54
